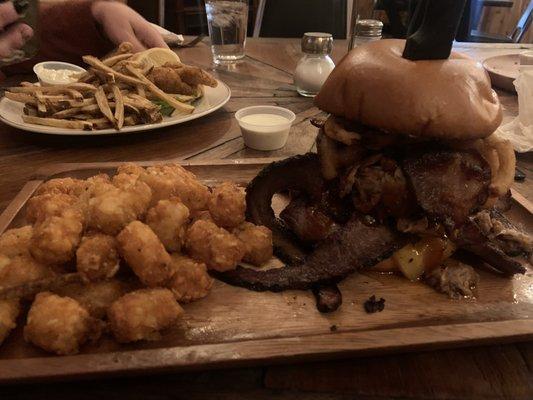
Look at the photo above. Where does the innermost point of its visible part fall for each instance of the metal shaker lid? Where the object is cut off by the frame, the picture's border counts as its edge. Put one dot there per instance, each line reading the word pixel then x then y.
pixel 317 43
pixel 368 27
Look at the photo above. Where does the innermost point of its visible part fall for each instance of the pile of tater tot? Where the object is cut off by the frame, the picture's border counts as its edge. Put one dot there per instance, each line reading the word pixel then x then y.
pixel 140 243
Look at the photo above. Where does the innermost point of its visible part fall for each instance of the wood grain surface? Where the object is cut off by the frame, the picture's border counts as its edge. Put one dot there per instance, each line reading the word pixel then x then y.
pixel 234 326
pixel 265 77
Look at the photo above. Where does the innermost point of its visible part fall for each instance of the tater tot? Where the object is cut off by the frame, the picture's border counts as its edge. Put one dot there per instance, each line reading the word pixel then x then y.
pixel 71 186
pixel 201 215
pixel 172 180
pixel 257 242
pixel 177 169
pixel 125 181
pixel 169 219
pixel 23 269
pixel 112 210
pixel 16 242
pixel 55 239
pixel 130 169
pixel 97 185
pixel 216 247
pixel 9 311
pixel 48 205
pixel 59 324
pixel 144 253
pixel 97 257
pixel 96 297
pixel 227 205
pixel 190 280
pixel 142 314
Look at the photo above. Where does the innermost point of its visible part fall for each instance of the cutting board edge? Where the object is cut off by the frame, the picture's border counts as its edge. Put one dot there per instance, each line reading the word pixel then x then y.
pixel 253 352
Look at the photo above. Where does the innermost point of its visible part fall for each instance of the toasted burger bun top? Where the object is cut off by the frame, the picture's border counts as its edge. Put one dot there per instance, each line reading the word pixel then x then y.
pixel 446 99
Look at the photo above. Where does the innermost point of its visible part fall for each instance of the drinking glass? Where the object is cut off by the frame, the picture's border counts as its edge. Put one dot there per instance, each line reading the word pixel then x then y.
pixel 227 21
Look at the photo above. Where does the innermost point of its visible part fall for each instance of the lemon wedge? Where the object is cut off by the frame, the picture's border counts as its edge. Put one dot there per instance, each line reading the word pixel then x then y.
pixel 156 57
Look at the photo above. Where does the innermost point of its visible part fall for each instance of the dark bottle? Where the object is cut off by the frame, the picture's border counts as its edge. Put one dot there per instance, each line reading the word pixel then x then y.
pixel 28 11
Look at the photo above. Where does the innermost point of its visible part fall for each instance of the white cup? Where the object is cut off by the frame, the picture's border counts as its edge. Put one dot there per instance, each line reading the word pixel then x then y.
pixel 526 58
pixel 271 135
pixel 54 65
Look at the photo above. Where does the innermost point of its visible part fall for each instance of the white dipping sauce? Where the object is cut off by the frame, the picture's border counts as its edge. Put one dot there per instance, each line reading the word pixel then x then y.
pixel 57 75
pixel 265 127
pixel 266 120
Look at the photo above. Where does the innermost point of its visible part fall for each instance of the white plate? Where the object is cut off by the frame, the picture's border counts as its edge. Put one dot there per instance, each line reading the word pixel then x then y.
pixel 214 98
pixel 503 70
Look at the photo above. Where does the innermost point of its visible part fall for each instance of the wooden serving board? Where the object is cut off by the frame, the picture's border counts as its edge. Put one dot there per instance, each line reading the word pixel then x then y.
pixel 234 326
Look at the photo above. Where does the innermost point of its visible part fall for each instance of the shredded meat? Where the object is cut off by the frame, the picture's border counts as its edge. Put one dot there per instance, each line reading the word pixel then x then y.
pixel 380 188
pixel 448 185
pixel 334 156
pixel 454 278
pixel 472 239
pixel 308 222
pixel 509 238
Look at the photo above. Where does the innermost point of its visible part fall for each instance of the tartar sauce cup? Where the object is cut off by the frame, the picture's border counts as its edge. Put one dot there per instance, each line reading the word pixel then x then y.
pixel 265 127
pixel 56 72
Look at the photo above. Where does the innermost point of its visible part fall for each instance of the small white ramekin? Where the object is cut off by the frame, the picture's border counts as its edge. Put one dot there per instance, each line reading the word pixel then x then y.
pixel 54 65
pixel 526 58
pixel 265 137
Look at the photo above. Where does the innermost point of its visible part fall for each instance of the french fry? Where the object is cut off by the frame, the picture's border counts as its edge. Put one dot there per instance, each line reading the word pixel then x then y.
pixel 119 107
pixel 138 101
pixel 58 123
pixel 87 76
pixel 125 47
pixel 59 102
pixel 103 104
pixel 121 64
pixel 78 86
pixel 111 61
pixel 49 89
pixel 100 123
pixel 98 65
pixel 21 97
pixel 89 109
pixel 71 102
pixel 141 91
pixel 42 110
pixel 178 105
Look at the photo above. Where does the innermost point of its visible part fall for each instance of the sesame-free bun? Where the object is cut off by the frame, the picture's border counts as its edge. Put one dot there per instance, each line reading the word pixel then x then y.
pixel 441 99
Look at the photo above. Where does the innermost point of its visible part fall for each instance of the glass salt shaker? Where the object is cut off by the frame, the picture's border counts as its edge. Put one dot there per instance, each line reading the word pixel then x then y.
pixel 315 66
pixel 366 30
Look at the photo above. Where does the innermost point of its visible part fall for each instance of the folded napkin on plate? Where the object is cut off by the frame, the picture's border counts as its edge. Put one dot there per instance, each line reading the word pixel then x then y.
pixel 520 130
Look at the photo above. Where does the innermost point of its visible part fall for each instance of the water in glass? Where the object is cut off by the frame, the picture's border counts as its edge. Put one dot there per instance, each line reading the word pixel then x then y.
pixel 227 21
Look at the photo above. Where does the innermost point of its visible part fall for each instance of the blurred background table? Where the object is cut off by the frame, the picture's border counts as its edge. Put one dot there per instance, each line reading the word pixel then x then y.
pixel 265 77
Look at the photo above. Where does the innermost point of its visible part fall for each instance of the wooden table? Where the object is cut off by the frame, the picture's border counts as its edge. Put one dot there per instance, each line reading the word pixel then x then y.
pixel 265 77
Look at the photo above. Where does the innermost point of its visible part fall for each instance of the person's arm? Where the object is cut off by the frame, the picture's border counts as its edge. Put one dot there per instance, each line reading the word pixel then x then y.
pixel 70 30
pixel 67 31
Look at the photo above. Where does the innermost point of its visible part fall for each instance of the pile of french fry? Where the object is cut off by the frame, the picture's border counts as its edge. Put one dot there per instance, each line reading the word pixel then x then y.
pixel 115 92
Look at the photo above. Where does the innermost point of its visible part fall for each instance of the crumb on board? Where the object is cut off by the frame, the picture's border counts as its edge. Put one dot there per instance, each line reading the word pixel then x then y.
pixel 333 328
pixel 372 305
